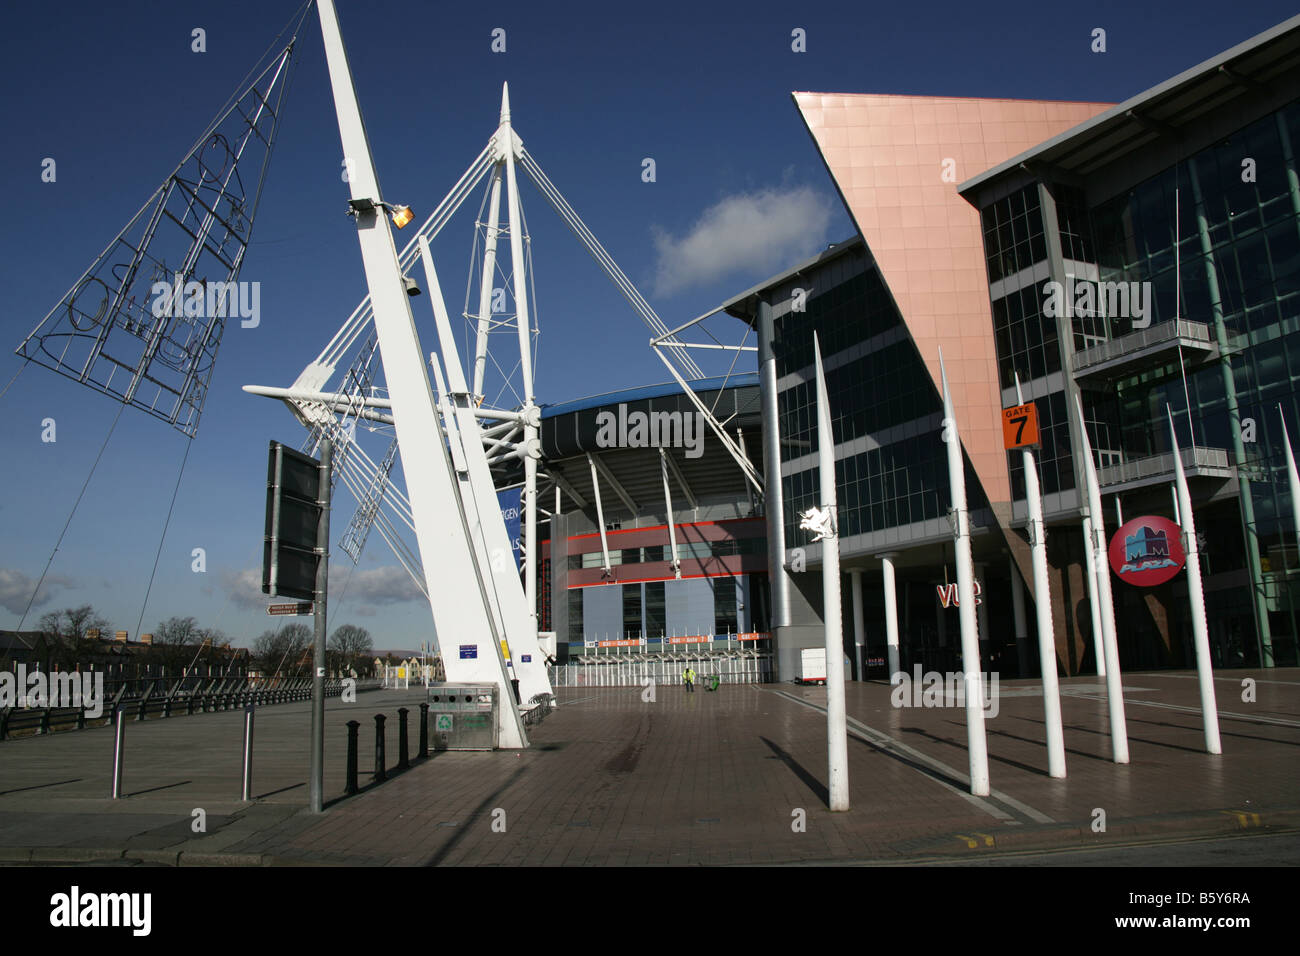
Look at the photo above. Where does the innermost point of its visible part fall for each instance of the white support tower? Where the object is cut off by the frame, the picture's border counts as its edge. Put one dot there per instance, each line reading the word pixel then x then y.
pixel 1095 527
pixel 976 736
pixel 1043 612
pixel 453 576
pixel 1196 602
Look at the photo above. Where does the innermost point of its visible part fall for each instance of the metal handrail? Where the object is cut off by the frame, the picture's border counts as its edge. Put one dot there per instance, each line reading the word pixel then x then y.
pixel 1134 341
pixel 1162 464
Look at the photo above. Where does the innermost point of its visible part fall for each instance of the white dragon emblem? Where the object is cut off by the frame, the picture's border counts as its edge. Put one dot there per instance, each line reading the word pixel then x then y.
pixel 818 521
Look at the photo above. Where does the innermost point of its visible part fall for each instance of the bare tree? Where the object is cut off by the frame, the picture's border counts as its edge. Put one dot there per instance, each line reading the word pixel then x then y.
pixel 66 635
pixel 349 644
pixel 282 651
pixel 176 640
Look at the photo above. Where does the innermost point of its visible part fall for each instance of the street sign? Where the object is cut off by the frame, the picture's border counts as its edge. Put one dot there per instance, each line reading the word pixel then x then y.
pixel 293 512
pixel 1020 426
pixel 468 652
pixel 301 607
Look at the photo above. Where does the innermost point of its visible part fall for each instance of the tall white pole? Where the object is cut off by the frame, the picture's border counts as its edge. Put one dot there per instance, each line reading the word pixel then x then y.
pixel 1101 564
pixel 977 742
pixel 837 737
pixel 1293 476
pixel 1196 598
pixel 456 592
pixel 1043 610
pixel 486 283
pixel 1094 598
pixel 859 628
pixel 515 621
pixel 891 617
pixel 1018 617
pixel 517 268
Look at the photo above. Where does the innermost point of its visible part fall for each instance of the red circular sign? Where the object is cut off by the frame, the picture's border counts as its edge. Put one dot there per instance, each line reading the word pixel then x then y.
pixel 1147 551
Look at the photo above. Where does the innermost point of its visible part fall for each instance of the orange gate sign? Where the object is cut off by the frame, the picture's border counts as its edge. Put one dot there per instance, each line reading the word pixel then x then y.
pixel 1020 426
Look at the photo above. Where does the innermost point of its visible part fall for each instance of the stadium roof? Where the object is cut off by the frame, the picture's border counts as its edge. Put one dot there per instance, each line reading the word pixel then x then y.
pixel 1256 64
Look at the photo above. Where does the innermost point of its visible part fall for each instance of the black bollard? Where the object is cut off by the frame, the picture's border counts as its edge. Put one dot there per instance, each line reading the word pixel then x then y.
pixel 353 727
pixel 403 758
pixel 381 772
pixel 424 730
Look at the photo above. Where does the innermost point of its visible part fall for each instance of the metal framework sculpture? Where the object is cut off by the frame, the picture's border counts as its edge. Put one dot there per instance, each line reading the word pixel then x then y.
pixel 145 321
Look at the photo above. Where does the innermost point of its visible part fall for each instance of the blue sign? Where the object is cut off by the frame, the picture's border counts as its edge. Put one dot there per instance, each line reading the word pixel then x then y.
pixel 510 511
pixel 526 658
pixel 468 652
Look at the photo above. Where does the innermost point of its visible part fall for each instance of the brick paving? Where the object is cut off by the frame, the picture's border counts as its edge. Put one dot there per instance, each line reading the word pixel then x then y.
pixel 706 778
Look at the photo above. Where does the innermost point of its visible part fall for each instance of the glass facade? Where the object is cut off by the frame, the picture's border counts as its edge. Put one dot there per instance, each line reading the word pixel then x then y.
pixel 880 394
pixel 1013 233
pixel 656 615
pixel 1027 342
pixel 1054 457
pixel 725 606
pixel 1216 238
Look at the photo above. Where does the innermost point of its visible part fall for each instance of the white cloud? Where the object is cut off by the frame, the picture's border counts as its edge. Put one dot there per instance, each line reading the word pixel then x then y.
pixel 390 585
pixel 16 590
pixel 245 588
pixel 759 232
pixel 375 586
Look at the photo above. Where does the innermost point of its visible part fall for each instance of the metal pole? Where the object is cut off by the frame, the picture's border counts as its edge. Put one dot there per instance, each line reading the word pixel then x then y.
pixel 445 547
pixel 424 730
pixel 1293 477
pixel 1101 564
pixel 249 711
pixel 381 768
pixel 118 754
pixel 859 630
pixel 1018 617
pixel 1043 611
pixel 976 740
pixel 837 740
pixel 318 669
pixel 403 756
pixel 1196 597
pixel 891 616
pixel 487 278
pixel 1246 502
pixel 508 143
pixel 1094 599
pixel 350 786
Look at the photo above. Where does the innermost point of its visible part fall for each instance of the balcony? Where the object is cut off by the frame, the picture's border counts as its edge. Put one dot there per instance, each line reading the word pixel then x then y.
pixel 1142 349
pixel 1159 469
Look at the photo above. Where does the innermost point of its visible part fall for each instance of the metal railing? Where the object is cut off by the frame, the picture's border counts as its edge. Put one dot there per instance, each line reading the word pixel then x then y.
pixel 160 697
pixel 1136 341
pixel 738 667
pixel 1157 466
pixel 538 708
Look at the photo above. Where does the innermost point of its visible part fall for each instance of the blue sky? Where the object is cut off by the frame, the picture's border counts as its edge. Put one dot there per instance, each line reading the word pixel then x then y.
pixel 115 95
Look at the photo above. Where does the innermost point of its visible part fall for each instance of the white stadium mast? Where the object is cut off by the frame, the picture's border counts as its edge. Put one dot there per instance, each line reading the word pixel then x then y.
pixel 454 558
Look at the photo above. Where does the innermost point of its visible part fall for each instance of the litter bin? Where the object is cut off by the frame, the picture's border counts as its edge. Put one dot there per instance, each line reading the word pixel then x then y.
pixel 463 716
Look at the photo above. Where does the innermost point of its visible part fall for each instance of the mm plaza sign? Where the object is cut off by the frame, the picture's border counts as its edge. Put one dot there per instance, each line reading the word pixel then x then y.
pixel 1147 551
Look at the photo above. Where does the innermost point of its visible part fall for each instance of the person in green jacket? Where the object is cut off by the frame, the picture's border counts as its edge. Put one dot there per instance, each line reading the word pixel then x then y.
pixel 688 678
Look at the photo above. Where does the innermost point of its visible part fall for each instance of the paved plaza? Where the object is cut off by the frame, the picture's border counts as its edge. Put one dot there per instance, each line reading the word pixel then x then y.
pixel 732 777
